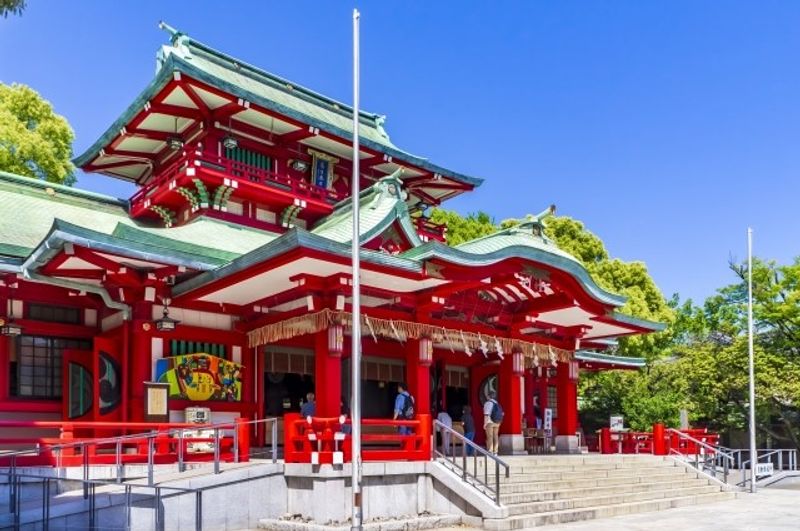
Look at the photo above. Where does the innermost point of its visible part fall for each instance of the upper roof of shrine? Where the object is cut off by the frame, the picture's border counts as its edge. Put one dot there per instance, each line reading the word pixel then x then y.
pixel 198 87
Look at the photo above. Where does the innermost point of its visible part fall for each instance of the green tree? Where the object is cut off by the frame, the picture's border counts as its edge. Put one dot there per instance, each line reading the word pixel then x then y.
pixel 715 357
pixel 34 140
pixel 460 228
pixel 11 7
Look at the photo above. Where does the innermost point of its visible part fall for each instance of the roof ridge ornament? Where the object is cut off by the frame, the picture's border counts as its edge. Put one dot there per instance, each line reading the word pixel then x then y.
pixel 536 223
pixel 179 41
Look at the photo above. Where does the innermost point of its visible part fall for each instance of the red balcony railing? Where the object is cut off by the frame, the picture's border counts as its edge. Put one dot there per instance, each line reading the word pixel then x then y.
pixel 221 166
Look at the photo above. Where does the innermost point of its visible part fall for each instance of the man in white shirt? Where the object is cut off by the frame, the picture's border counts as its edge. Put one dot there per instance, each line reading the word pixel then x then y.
pixel 491 427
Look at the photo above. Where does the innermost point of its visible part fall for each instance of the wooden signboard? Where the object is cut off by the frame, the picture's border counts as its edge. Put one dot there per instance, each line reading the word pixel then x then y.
pixel 156 402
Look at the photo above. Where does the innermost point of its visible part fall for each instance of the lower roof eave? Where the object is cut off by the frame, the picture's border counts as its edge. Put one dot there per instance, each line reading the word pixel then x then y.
pixel 609 360
pixel 293 239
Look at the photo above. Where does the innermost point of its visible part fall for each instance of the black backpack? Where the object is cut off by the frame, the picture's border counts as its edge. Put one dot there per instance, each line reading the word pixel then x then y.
pixel 497 412
pixel 408 406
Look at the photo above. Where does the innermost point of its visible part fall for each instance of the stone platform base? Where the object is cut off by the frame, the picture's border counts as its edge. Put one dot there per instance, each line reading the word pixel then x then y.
pixel 512 445
pixel 567 444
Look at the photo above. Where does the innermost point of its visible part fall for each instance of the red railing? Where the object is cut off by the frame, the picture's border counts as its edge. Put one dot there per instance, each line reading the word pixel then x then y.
pixel 427 229
pixel 328 440
pixel 656 442
pixel 101 442
pixel 237 170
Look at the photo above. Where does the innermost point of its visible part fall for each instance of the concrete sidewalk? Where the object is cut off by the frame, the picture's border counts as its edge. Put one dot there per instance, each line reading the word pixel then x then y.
pixel 769 509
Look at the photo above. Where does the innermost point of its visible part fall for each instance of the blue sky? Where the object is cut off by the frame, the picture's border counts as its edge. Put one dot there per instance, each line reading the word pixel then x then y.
pixel 667 127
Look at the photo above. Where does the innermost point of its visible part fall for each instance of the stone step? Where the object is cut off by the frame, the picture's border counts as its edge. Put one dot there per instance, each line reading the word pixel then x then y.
pixel 602 511
pixel 592 474
pixel 588 482
pixel 545 495
pixel 583 459
pixel 608 499
pixel 567 467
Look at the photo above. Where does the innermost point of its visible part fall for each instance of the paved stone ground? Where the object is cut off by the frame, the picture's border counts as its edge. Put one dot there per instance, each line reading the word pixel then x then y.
pixel 768 510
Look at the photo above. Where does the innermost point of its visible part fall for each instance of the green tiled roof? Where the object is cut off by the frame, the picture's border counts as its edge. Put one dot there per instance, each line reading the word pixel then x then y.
pixel 380 205
pixel 241 80
pixel 276 89
pixel 520 236
pixel 29 207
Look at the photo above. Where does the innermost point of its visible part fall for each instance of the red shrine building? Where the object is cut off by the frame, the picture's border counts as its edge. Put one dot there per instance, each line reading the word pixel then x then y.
pixel 227 274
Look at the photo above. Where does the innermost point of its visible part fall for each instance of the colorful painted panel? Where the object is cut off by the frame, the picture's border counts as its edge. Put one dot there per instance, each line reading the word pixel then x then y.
pixel 201 377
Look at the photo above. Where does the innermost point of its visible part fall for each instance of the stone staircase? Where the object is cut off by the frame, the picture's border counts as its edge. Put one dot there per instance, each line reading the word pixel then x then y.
pixel 544 490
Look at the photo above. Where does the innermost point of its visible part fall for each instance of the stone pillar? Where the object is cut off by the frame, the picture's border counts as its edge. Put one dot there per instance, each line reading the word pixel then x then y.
pixel 418 376
pixel 327 375
pixel 567 382
pixel 510 391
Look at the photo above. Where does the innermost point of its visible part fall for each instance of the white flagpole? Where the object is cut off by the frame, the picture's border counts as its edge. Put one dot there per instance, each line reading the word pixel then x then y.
pixel 753 450
pixel 355 357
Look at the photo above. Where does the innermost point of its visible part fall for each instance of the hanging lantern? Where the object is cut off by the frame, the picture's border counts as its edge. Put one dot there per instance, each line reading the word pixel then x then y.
pixel 9 328
pixel 425 351
pixel 335 340
pixel 517 362
pixel 166 323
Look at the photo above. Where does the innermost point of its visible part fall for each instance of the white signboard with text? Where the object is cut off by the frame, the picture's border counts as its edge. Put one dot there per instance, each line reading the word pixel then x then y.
pixel 548 419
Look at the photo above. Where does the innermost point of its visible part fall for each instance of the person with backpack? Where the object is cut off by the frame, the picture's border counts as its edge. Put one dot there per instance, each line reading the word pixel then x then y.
pixel 492 417
pixel 403 408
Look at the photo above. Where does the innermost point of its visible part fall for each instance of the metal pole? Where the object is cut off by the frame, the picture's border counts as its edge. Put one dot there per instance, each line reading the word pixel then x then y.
pixel 355 357
pixel 753 454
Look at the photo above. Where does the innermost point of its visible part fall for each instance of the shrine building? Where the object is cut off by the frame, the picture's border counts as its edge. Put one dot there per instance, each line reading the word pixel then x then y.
pixel 227 274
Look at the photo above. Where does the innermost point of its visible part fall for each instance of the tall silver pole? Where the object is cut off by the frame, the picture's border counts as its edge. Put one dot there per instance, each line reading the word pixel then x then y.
pixel 355 358
pixel 753 454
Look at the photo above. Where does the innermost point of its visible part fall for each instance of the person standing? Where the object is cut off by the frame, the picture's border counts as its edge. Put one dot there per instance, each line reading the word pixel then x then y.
pixel 492 417
pixel 309 409
pixel 403 408
pixel 537 412
pixel 469 427
pixel 447 421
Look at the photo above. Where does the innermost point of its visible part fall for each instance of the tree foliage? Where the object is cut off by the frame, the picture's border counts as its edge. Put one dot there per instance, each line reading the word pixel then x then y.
pixel 460 228
pixel 34 140
pixel 11 7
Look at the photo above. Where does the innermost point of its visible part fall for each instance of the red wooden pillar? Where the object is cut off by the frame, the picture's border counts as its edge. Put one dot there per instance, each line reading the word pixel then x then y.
pixel 140 368
pixel 510 390
pixel 260 361
pixel 5 351
pixel 418 375
pixel 140 362
pixel 327 376
pixel 659 442
pixel 530 390
pixel 567 399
